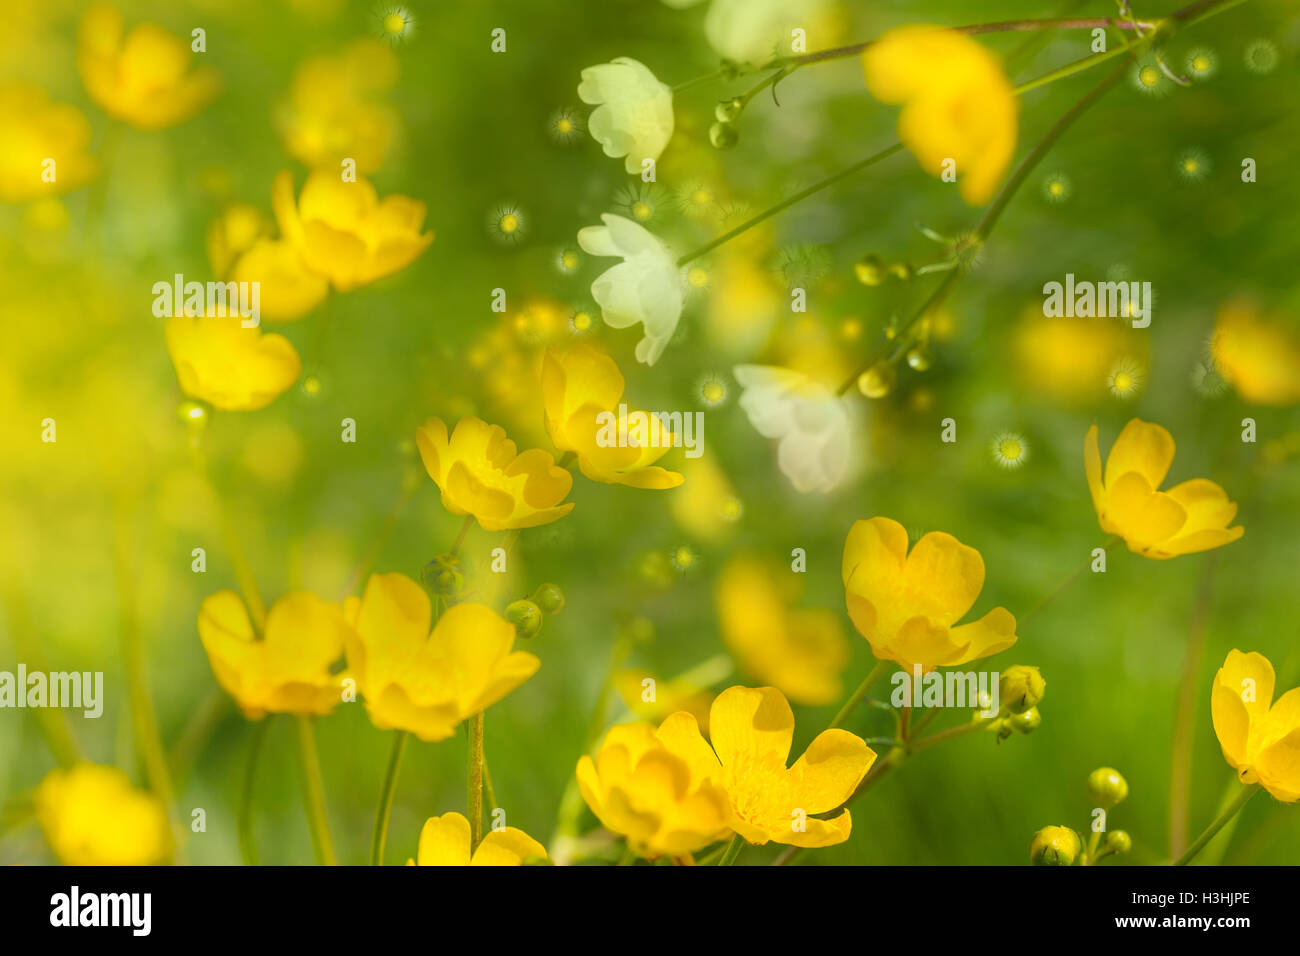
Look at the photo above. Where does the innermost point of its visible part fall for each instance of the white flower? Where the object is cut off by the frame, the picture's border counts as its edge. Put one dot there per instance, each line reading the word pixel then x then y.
pixel 634 112
pixel 811 422
pixel 754 31
pixel 645 287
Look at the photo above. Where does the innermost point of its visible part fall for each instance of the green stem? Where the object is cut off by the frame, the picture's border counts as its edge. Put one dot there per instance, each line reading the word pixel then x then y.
pixel 460 535
pixel 1065 582
pixel 313 793
pixel 1233 808
pixel 244 816
pixel 1180 775
pixel 856 697
pixel 385 808
pixel 733 850
pixel 961 730
pixel 474 781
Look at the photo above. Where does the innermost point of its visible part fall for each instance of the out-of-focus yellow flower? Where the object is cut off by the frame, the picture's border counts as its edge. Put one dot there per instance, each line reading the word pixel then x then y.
pixel 35 130
pixel 345 232
pixel 1068 358
pixel 957 103
pixel 287 669
pixel 142 77
pixel 654 788
pixel 231 367
pixel 289 290
pixel 752 730
pixel 92 816
pixel 707 507
pixel 425 682
pixel 669 696
pixel 1258 356
pixel 1190 517
pixel 907 605
pixel 1259 741
pixel 800 651
pixel 480 472
pixel 232 233
pixel 334 112
pixel 444 841
pixel 581 389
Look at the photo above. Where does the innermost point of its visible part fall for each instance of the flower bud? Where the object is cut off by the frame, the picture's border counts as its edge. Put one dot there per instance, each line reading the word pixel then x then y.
pixel 878 381
pixel 869 270
pixel 1118 841
pixel 918 358
pixel 525 616
pixel 728 111
pixel 901 270
pixel 444 576
pixel 1021 687
pixel 724 135
pixel 549 598
pixel 1055 846
pixel 1027 722
pixel 1106 787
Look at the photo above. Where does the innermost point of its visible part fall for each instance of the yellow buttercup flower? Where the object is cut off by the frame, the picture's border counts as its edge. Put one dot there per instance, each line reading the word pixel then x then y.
pixel 425 682
pixel 334 111
pixel 289 290
pixel 287 670
pixel 752 730
pixel 801 651
pixel 1258 355
pixel 1259 741
pixel 670 695
pixel 907 605
pixel 92 816
pixel 480 472
pixel 34 131
pixel 444 841
pixel 232 233
pixel 231 367
pixel 581 389
pixel 958 105
pixel 654 787
pixel 142 77
pixel 345 232
pixel 1189 517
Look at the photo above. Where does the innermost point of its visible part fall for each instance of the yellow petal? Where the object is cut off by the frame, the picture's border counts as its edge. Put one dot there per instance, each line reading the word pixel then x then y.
pixel 994 632
pixel 1092 468
pixel 444 841
pixel 944 576
pixel 1249 675
pixel 830 770
pixel 1142 447
pixel 1142 516
pixel 680 733
pixel 508 846
pixel 751 725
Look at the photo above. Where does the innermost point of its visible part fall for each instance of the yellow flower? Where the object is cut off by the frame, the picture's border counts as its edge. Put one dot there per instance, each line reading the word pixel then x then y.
pixel 654 788
pixel 444 841
pixel 234 368
pixel 801 651
pixel 92 816
pixel 907 605
pixel 957 103
pixel 142 77
pixel 480 472
pixel 1259 741
pixel 33 131
pixel 289 290
pixel 425 682
pixel 286 670
pixel 581 389
pixel 670 695
pixel 345 232
pixel 1258 356
pixel 232 233
pixel 334 113
pixel 1190 517
pixel 752 730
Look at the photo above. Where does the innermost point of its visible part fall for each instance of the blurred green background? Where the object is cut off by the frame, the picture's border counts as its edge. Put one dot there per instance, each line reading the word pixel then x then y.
pixel 81 345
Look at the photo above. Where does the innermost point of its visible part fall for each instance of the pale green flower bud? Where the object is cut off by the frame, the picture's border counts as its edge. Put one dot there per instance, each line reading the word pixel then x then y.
pixel 525 616
pixel 1055 846
pixel 1021 688
pixel 1106 787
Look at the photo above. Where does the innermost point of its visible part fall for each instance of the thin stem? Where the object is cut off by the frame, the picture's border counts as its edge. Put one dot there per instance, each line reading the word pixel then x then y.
pixel 856 697
pixel 313 793
pixel 628 857
pixel 1231 811
pixel 372 553
pixel 460 535
pixel 244 815
pixel 787 203
pixel 385 808
pixel 961 730
pixel 1065 582
pixel 1185 717
pixel 733 850
pixel 474 781
pixel 53 721
pixel 488 789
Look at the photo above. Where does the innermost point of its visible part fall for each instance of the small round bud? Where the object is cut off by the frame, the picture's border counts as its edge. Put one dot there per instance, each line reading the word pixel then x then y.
pixel 1027 722
pixel 1021 687
pixel 918 358
pixel 444 576
pixel 901 270
pixel 878 381
pixel 1118 841
pixel 1055 846
pixel 525 616
pixel 1106 787
pixel 728 111
pixel 549 598
pixel 724 135
pixel 869 270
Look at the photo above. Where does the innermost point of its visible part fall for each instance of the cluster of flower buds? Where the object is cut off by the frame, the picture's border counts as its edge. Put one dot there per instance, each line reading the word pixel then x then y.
pixel 1061 846
pixel 1020 689
pixel 526 614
